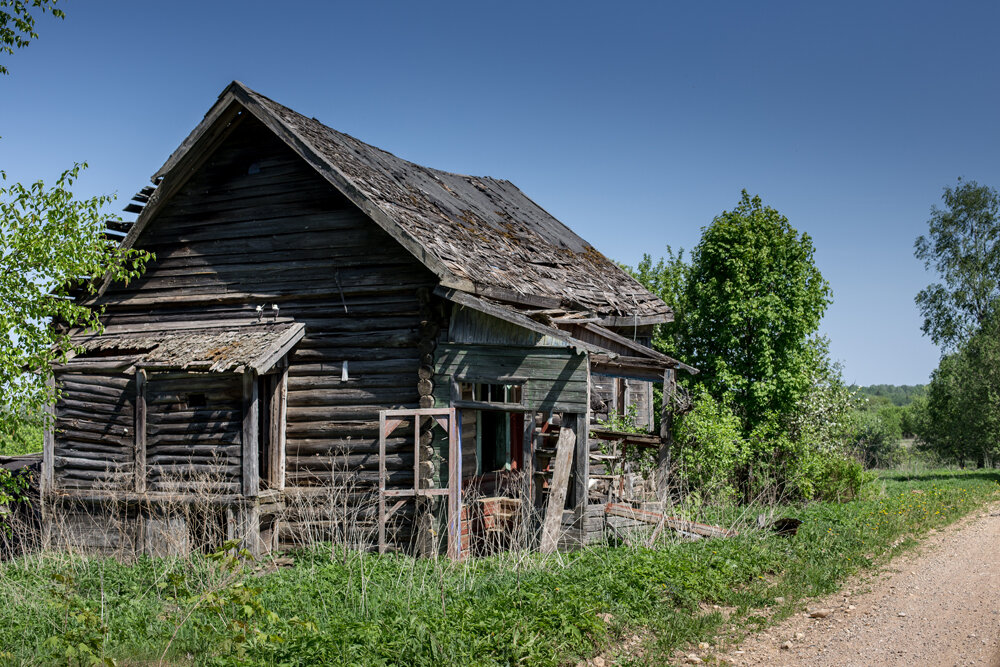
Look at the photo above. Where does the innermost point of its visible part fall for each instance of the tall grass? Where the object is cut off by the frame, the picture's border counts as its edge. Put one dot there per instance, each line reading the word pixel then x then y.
pixel 339 605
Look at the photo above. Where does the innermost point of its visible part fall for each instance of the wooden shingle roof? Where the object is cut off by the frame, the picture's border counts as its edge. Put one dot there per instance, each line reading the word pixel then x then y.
pixel 478 234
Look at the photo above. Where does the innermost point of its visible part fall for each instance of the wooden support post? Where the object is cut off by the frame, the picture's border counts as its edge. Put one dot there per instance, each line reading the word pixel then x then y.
pixel 666 426
pixel 381 482
pixel 528 472
pixel 454 484
pixel 140 431
pixel 47 482
pixel 251 473
pixel 557 491
pixel 276 441
pixel 581 475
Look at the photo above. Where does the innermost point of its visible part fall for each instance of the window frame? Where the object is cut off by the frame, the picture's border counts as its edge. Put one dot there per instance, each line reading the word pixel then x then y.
pixel 505 380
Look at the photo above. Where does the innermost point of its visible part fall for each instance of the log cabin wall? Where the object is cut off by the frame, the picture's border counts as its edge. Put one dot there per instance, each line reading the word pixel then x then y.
pixel 256 226
pixel 95 431
pixel 193 432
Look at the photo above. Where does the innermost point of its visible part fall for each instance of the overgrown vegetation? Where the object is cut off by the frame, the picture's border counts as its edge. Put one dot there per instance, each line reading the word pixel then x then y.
pixel 357 608
pixel 20 434
pixel 771 413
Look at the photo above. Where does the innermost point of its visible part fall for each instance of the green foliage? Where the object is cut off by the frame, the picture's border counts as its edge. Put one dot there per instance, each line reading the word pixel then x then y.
pixel 17 23
pixel 667 279
pixel 49 243
pixel 643 460
pixel 753 298
pixel 361 608
pixel 876 433
pixel 960 420
pixel 83 634
pixel 963 247
pixel 709 448
pixel 20 434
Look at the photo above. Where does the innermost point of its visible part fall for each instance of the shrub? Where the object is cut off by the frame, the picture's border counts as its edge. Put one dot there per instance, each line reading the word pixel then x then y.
pixel 709 447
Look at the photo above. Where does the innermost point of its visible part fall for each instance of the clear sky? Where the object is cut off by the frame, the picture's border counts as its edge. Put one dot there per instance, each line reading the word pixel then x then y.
pixel 634 123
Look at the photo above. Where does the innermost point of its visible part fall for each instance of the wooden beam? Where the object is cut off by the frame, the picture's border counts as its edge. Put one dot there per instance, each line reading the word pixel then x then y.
pixel 557 491
pixel 276 441
pixel 47 482
pixel 581 474
pixel 381 482
pixel 658 518
pixel 140 430
pixel 666 427
pixel 251 473
pixel 454 484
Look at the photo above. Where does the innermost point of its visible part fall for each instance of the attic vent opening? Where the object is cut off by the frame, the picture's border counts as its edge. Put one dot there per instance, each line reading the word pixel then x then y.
pixel 115 352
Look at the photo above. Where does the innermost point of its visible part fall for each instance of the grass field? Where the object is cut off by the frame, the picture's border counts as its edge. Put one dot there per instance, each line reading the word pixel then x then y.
pixel 342 607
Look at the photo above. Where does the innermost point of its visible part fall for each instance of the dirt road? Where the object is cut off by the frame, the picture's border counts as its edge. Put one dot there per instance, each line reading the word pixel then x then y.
pixel 939 605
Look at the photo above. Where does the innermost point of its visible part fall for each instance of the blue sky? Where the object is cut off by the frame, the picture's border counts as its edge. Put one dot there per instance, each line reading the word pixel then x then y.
pixel 634 123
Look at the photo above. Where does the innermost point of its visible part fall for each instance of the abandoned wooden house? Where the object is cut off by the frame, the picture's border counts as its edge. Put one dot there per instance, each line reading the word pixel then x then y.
pixel 329 330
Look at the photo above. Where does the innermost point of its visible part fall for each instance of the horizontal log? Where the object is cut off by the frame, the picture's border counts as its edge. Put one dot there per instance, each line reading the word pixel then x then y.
pixel 118 401
pixel 115 419
pixel 194 416
pixel 298 416
pixel 224 430
pixel 403 365
pixel 65 434
pixel 352 396
pixel 179 441
pixel 344 446
pixel 196 449
pixel 96 448
pixel 207 488
pixel 91 409
pixel 357 380
pixel 90 463
pixel 78 452
pixel 191 460
pixel 111 389
pixel 319 463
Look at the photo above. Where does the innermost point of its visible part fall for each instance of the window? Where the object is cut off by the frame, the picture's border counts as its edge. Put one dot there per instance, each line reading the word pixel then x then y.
pixel 482 392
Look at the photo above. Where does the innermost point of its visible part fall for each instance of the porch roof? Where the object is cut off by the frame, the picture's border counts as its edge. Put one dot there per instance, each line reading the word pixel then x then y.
pixel 256 347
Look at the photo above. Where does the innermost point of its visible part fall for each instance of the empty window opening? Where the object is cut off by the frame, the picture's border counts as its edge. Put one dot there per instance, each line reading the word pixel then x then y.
pixel 483 392
pixel 499 440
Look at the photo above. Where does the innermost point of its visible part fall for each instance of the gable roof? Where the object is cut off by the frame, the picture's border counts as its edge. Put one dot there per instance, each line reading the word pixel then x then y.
pixel 477 234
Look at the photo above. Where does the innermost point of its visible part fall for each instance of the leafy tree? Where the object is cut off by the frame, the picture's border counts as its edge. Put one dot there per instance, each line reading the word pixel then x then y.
pixel 963 247
pixel 17 23
pixel 667 279
pixel 50 244
pixel 961 418
pixel 753 298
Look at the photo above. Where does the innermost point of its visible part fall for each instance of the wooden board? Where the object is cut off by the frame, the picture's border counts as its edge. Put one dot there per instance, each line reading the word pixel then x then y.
pixel 557 494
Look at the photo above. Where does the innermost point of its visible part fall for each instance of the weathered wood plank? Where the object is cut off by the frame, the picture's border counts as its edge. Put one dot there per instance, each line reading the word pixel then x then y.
pixel 251 480
pixel 558 489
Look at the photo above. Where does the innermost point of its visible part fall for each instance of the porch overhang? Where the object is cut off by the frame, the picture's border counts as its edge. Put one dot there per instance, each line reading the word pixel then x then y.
pixel 235 349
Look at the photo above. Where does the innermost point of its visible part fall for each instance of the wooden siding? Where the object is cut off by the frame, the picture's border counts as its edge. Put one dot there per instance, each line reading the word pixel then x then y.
pixel 193 432
pixel 556 378
pixel 94 432
pixel 471 326
pixel 253 226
